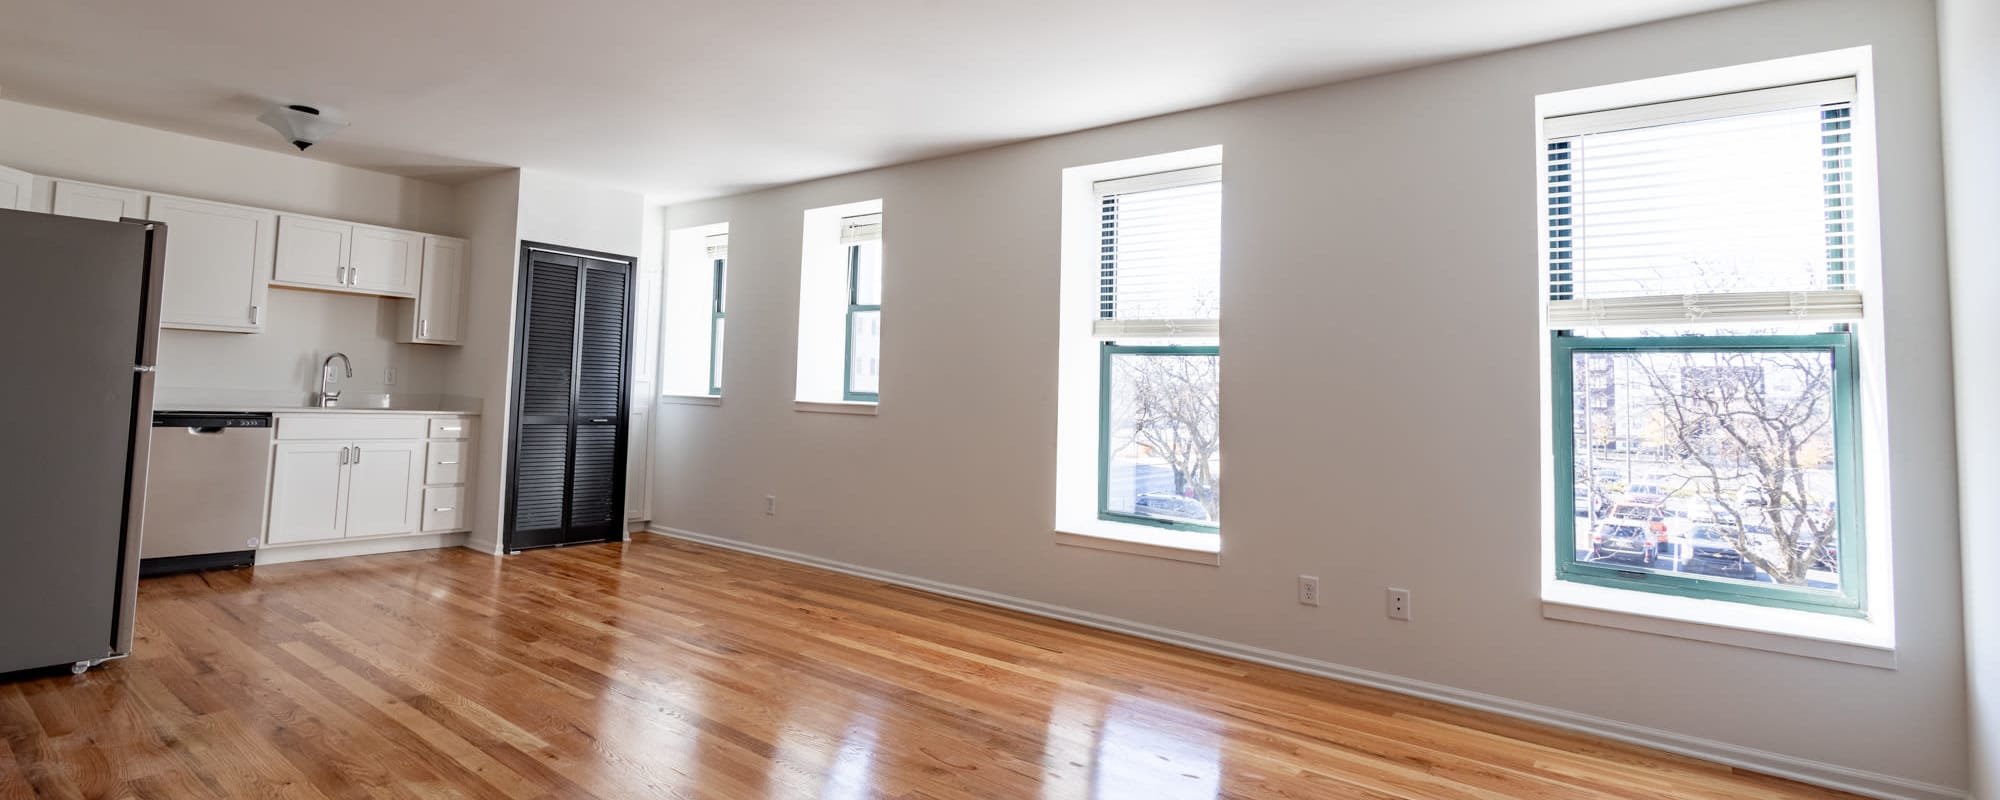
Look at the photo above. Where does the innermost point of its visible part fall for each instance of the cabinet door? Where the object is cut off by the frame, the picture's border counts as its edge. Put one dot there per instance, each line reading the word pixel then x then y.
pixel 385 488
pixel 442 296
pixel 90 201
pixel 308 480
pixel 311 252
pixel 218 264
pixel 17 190
pixel 385 261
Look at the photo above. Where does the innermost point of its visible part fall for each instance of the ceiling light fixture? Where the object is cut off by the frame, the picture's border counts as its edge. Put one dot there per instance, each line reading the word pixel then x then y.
pixel 303 126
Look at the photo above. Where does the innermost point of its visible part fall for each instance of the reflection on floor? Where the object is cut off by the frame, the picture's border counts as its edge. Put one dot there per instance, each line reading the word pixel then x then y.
pixel 665 669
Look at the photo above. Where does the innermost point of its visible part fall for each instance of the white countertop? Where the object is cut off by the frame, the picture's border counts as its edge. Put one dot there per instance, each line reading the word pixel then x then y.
pixel 315 410
pixel 181 399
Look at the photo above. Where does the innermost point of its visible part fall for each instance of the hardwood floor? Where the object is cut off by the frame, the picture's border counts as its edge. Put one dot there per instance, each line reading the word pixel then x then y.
pixel 665 669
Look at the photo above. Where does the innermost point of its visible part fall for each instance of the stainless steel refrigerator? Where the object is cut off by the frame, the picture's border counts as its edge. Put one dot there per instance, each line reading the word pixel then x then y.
pixel 79 328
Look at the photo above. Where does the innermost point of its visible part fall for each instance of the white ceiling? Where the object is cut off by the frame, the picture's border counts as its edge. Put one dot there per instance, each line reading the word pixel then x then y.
pixel 684 99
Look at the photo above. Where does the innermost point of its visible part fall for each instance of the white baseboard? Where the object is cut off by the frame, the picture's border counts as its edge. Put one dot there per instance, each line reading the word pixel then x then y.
pixel 287 554
pixel 1818 773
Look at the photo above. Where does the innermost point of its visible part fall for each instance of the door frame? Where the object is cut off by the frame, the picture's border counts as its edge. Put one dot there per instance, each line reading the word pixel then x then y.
pixel 517 384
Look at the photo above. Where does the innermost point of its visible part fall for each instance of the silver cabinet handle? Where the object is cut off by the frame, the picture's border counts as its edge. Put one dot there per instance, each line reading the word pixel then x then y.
pixel 448 463
pixel 255 318
pixel 340 275
pixel 444 508
pixel 353 276
pixel 343 455
pixel 423 329
pixel 357 454
pixel 452 429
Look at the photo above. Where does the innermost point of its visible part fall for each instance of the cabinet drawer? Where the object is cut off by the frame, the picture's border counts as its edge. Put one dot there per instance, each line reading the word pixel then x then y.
pixel 451 428
pixel 349 427
pixel 444 509
pixel 446 464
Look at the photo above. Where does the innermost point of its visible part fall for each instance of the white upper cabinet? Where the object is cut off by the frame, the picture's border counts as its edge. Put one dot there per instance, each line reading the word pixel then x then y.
pixel 17 190
pixel 312 252
pixel 385 262
pixel 218 263
pixel 436 316
pixel 91 201
pixel 316 253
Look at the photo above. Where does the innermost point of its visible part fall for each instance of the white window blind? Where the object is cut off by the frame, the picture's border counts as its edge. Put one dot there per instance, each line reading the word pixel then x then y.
pixel 863 228
pixel 718 246
pixel 1160 255
pixel 1732 208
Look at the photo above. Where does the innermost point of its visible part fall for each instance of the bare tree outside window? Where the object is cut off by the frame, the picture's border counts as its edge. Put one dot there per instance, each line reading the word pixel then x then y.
pixel 1165 430
pixel 1732 446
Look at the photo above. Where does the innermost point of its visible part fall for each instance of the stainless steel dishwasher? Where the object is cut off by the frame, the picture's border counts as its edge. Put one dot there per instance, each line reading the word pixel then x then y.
pixel 205 495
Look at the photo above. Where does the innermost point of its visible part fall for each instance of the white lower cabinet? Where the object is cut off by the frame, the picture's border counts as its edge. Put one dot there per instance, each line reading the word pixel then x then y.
pixel 444 475
pixel 385 488
pixel 323 490
pixel 444 508
pixel 308 492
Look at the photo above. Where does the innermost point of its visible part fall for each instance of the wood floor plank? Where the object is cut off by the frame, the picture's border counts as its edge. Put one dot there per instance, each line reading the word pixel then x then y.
pixel 660 668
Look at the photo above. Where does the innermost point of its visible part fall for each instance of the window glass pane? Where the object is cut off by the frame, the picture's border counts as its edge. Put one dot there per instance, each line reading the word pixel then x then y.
pixel 1719 464
pixel 715 356
pixel 720 284
pixel 1754 202
pixel 1160 254
pixel 1163 448
pixel 864 352
pixel 865 259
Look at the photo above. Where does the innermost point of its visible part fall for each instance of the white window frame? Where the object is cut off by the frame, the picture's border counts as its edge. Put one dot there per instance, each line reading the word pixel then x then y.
pixel 687 345
pixel 821 384
pixel 1079 361
pixel 1869 640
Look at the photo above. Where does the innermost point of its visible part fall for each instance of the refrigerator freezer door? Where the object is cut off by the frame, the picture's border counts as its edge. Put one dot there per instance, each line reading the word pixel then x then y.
pixel 68 321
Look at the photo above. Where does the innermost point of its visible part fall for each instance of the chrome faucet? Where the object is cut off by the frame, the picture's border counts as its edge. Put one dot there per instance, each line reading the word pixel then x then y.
pixel 326 398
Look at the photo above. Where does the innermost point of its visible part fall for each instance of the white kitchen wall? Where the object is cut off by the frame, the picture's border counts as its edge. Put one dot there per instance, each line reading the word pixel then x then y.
pixel 488 213
pixel 498 213
pixel 1969 33
pixel 302 327
pixel 1381 397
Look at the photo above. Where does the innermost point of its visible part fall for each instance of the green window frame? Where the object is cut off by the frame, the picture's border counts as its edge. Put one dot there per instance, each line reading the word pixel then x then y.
pixel 854 307
pixel 1850 600
pixel 1107 351
pixel 716 315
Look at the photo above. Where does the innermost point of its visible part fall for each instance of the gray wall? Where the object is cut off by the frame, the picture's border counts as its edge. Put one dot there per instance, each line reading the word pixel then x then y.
pixel 1381 393
pixel 1970 42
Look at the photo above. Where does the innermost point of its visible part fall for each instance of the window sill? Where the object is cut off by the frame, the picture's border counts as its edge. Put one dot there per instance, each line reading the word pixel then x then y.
pixel 691 399
pixel 834 407
pixel 1777 630
pixel 1143 540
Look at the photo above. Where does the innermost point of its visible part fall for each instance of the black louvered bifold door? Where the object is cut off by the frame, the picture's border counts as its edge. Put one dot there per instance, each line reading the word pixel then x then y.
pixel 597 494
pixel 568 440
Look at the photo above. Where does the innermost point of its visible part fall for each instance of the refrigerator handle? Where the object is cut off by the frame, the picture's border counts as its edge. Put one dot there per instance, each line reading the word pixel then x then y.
pixel 149 313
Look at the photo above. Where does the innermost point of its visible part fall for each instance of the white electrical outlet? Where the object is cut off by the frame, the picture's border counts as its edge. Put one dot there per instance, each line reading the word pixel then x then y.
pixel 1308 590
pixel 771 504
pixel 389 377
pixel 1399 604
